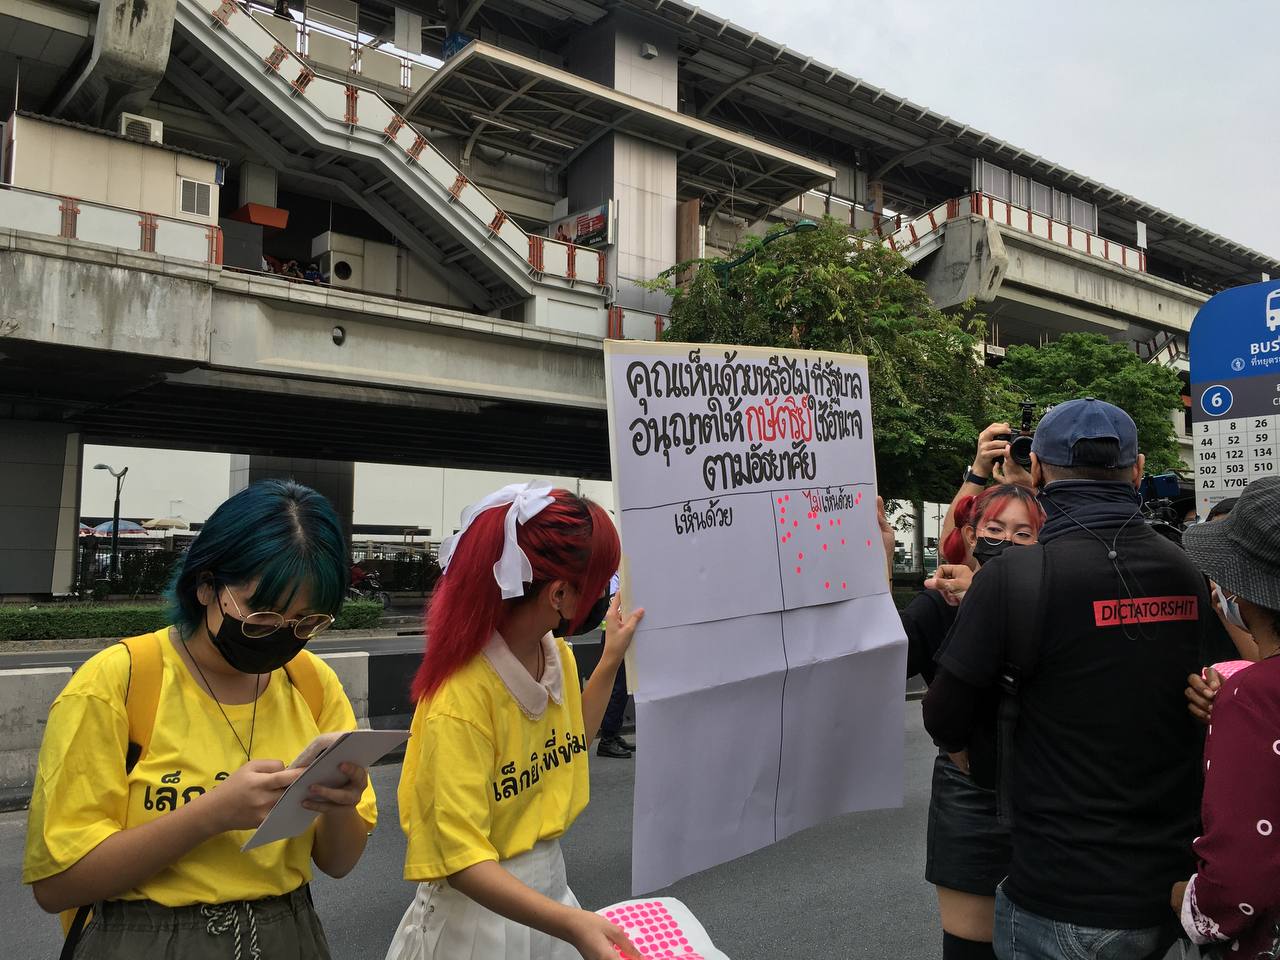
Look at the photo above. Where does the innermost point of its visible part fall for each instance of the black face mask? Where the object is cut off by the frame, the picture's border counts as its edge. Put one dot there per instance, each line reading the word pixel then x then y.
pixel 594 617
pixel 255 655
pixel 984 551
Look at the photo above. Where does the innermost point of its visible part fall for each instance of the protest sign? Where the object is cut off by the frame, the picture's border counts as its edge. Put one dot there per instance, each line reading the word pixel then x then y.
pixel 769 668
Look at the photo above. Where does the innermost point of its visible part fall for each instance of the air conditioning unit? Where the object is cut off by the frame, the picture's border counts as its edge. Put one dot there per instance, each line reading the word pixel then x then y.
pixel 141 128
pixel 342 269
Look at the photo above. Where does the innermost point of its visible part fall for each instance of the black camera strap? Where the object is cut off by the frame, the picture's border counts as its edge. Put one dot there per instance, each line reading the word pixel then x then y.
pixel 1024 605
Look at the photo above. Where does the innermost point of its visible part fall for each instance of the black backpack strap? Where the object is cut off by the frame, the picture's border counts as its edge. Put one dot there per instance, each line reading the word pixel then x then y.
pixel 73 933
pixel 1023 602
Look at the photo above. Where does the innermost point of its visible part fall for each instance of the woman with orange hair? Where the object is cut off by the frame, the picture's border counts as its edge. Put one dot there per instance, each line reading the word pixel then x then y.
pixel 496 771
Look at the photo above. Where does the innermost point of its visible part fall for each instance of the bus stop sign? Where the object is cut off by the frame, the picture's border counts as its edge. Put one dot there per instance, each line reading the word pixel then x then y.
pixel 1235 391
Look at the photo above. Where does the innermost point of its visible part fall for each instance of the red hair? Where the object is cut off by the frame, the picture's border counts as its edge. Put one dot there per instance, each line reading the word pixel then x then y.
pixel 571 539
pixel 991 503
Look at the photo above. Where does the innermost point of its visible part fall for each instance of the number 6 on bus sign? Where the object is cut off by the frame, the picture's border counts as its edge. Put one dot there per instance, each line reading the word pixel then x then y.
pixel 1216 401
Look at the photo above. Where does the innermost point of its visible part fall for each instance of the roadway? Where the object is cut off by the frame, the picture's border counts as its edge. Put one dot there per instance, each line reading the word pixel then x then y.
pixel 852 888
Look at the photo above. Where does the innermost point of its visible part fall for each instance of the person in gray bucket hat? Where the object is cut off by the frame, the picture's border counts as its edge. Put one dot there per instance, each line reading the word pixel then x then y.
pixel 1231 904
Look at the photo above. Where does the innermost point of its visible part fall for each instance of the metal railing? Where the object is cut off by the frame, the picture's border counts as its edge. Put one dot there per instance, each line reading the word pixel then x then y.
pixel 904 233
pixel 75 219
pixel 913 232
pixel 342 51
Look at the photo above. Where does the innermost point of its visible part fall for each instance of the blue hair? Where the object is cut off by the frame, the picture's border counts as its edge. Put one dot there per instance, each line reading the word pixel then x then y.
pixel 285 536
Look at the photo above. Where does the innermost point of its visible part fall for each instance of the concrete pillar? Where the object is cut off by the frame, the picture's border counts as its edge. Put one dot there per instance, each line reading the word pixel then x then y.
pixel 875 196
pixel 971 265
pixel 688 223
pixel 257 184
pixel 39 507
pixel 130 55
pixel 640 59
pixel 335 479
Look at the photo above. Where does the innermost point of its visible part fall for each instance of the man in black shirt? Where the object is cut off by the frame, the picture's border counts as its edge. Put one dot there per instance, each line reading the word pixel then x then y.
pixel 1105 779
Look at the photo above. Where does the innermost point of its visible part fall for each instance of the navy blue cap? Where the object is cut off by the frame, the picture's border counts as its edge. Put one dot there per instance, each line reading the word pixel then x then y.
pixel 1087 419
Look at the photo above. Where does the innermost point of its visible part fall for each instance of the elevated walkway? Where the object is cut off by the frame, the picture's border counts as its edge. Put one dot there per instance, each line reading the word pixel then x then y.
pixel 1031 273
pixel 342 137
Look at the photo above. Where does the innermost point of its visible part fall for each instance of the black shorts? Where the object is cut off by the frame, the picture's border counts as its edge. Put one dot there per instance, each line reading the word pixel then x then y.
pixel 968 849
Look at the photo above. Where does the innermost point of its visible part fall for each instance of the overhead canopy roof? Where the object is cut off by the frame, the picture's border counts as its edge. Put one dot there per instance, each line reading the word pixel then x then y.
pixel 733 76
pixel 493 96
pixel 797 86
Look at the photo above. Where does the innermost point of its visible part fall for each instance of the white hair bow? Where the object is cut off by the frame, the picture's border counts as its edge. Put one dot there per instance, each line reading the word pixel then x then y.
pixel 513 570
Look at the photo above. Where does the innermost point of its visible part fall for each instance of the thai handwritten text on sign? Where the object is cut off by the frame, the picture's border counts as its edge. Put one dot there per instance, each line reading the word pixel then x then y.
pixel 745 481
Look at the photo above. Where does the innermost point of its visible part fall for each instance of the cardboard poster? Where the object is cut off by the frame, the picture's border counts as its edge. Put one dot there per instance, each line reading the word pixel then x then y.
pixel 769 669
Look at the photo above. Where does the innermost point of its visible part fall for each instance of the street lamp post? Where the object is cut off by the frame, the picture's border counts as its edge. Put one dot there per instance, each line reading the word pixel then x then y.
pixel 115 523
pixel 800 226
pixel 171 503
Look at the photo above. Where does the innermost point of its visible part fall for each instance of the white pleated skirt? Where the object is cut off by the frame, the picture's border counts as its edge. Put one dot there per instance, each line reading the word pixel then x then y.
pixel 443 924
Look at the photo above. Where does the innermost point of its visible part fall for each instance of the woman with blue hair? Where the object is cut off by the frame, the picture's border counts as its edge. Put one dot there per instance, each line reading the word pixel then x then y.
pixel 166 751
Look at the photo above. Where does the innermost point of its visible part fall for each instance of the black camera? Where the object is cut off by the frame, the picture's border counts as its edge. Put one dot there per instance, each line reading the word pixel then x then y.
pixel 1166 499
pixel 1020 442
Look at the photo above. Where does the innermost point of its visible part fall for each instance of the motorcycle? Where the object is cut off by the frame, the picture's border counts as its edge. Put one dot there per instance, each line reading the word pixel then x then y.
pixel 370 589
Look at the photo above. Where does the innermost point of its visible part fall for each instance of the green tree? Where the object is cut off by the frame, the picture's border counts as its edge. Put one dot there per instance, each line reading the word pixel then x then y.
pixel 1090 365
pixel 823 290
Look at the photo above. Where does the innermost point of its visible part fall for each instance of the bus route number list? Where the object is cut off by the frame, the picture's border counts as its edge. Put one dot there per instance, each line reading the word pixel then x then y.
pixel 1230 452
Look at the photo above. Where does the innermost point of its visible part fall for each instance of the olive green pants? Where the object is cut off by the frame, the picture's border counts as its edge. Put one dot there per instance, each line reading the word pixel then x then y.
pixel 276 928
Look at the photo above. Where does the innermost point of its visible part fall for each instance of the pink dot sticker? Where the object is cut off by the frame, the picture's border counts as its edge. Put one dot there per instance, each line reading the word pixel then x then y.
pixel 828 585
pixel 842 541
pixel 782 509
pixel 824 546
pixel 839 522
pixel 831 523
pixel 795 523
pixel 783 521
pixel 781 501
pixel 818 527
pixel 787 498
pixel 868 543
pixel 797 569
pixel 844 585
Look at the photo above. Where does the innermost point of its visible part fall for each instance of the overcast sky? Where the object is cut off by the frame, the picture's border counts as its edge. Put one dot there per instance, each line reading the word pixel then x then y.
pixel 1171 101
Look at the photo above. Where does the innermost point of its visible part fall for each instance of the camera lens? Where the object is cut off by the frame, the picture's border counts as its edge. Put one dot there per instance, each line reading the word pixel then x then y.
pixel 1020 452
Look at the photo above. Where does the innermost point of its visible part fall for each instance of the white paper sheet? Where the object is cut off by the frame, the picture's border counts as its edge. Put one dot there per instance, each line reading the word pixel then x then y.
pixel 769 668
pixel 289 817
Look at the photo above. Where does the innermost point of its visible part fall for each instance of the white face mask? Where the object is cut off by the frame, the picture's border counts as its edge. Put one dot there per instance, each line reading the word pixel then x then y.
pixel 1230 608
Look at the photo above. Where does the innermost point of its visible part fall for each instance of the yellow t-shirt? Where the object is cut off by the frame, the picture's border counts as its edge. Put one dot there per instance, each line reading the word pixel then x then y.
pixel 82 794
pixel 497 762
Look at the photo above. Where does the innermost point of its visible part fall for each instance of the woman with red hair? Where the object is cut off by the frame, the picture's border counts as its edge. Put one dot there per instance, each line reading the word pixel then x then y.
pixel 496 770
pixel 968 850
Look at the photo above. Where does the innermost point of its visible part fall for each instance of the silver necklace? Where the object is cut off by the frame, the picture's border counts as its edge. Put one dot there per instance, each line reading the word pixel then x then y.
pixel 253 722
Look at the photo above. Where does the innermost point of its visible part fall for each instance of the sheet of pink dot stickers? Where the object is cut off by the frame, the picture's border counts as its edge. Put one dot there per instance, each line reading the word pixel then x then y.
pixel 663 928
